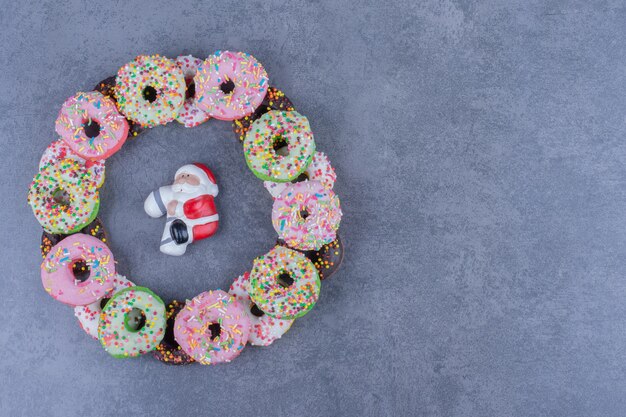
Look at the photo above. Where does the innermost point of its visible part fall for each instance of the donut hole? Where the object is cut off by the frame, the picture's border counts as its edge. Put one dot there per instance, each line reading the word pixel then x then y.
pixel 304 213
pixel 280 145
pixel 284 279
pixel 215 330
pixel 256 311
pixel 81 271
pixel 191 89
pixel 228 86
pixel 150 94
pixel 61 197
pixel 302 177
pixel 104 302
pixel 134 320
pixel 91 128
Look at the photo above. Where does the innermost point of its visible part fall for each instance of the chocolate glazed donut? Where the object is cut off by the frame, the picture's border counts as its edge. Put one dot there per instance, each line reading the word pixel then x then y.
pixel 169 351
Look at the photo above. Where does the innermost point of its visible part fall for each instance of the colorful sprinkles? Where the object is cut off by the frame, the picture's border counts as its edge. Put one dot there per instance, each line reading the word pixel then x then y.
pixel 212 328
pixel 91 126
pixel 306 215
pixel 150 90
pixel 262 148
pixel 78 268
pixel 58 270
pixel 284 283
pixel 63 196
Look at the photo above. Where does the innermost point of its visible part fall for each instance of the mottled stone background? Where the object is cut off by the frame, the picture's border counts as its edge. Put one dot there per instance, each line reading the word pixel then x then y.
pixel 480 153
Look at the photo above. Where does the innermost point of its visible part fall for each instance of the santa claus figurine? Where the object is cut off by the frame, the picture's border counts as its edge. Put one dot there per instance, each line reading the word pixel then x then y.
pixel 189 205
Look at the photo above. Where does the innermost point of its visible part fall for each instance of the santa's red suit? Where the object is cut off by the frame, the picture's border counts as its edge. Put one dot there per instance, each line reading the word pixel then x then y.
pixel 198 208
pixel 189 205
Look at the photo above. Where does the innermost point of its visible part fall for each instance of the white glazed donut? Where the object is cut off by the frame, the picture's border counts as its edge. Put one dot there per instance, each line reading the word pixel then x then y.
pixel 59 150
pixel 190 115
pixel 319 169
pixel 89 316
pixel 263 328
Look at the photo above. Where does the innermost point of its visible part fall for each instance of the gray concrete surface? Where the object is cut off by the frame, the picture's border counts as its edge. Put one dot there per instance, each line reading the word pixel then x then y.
pixel 480 152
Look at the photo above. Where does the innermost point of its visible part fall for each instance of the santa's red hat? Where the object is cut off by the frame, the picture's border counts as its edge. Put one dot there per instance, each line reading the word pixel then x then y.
pixel 203 173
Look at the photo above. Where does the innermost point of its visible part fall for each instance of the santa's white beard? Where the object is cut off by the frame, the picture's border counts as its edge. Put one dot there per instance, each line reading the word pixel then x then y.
pixel 188 188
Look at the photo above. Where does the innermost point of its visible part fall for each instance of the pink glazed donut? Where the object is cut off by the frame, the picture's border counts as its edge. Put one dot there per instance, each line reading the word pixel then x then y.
pixel 306 215
pixel 72 259
pixel 91 125
pixel 212 328
pixel 190 115
pixel 230 85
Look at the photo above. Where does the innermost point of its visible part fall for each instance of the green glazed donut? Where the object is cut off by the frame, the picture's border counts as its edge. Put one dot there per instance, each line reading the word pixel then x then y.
pixel 132 322
pixel 284 284
pixel 279 146
pixel 64 197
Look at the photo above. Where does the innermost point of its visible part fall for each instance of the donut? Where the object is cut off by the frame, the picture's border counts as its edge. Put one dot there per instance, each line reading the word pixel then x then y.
pixel 63 197
pixel 95 229
pixel 89 315
pixel 91 125
pixel 190 115
pixel 132 322
pixel 79 270
pixel 274 100
pixel 212 328
pixel 264 329
pixel 58 150
pixel 230 85
pixel 284 283
pixel 306 215
pixel 169 351
pixel 326 259
pixel 279 146
pixel 319 169
pixel 107 88
pixel 150 90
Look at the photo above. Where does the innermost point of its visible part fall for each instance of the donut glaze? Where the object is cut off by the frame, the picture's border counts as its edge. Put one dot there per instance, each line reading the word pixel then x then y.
pixel 284 283
pixel 59 150
pixel 264 329
pixel 169 351
pixel 150 90
pixel 230 85
pixel 319 169
pixel 89 316
pixel 95 229
pixel 306 215
pixel 190 115
pixel 91 125
pixel 63 197
pixel 107 88
pixel 132 322
pixel 212 328
pixel 274 100
pixel 59 275
pixel 262 143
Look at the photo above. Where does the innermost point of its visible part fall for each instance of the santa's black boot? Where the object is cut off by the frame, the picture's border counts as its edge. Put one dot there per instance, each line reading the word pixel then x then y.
pixel 178 230
pixel 176 238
